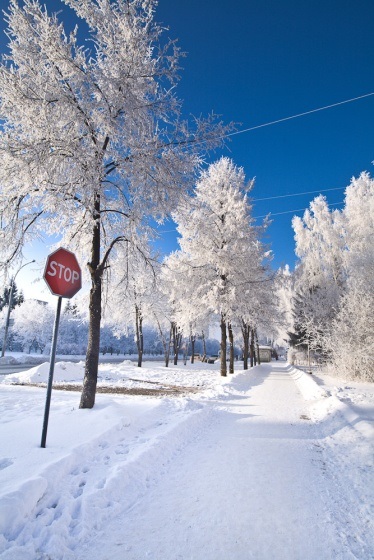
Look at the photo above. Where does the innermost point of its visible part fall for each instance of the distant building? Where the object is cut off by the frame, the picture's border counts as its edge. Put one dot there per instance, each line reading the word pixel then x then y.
pixel 265 353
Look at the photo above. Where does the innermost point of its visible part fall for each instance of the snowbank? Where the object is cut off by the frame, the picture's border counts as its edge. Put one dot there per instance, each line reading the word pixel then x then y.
pixel 336 402
pixel 63 372
pixel 306 384
pixel 125 374
pixel 8 360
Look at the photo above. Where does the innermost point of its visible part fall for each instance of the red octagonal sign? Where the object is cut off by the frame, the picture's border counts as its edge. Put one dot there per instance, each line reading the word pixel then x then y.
pixel 62 273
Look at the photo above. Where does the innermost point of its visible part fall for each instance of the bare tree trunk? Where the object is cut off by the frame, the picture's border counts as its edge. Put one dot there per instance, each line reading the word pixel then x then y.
pixel 177 339
pixel 231 346
pixel 192 338
pixel 179 344
pixel 204 345
pixel 165 343
pixel 167 348
pixel 185 352
pixel 173 328
pixel 245 334
pixel 258 350
pixel 252 352
pixel 139 334
pixel 93 346
pixel 223 346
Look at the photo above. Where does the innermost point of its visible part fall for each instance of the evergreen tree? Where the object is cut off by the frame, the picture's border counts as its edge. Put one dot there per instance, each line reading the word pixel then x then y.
pixel 17 297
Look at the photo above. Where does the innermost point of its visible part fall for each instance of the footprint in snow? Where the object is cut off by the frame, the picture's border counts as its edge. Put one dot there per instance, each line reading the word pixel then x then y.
pixel 4 463
pixel 79 490
pixel 122 450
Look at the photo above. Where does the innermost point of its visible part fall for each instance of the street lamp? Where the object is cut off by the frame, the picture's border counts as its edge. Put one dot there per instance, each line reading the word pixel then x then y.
pixel 10 307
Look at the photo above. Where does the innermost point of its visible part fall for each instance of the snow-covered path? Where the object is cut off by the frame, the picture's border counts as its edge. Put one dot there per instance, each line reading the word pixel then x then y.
pixel 265 464
pixel 250 484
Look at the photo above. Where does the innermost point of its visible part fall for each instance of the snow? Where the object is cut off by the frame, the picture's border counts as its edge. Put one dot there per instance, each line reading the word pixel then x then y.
pixel 272 463
pixel 122 375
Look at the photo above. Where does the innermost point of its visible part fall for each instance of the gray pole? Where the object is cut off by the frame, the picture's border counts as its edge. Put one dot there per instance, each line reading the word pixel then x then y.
pixel 51 370
pixel 7 318
pixel 10 308
pixel 309 370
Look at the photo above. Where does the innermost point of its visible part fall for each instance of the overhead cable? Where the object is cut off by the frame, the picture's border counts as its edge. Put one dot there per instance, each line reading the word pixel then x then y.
pixel 301 114
pixel 297 194
pixel 271 214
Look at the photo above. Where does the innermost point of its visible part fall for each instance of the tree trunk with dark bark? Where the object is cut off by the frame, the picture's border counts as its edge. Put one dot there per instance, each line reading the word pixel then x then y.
pixel 167 345
pixel 166 342
pixel 231 348
pixel 192 338
pixel 185 352
pixel 204 345
pixel 258 350
pixel 177 339
pixel 223 346
pixel 245 334
pixel 93 346
pixel 139 334
pixel 252 348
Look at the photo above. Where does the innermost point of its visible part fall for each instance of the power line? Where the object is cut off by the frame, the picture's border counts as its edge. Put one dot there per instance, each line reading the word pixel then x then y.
pixel 297 194
pixel 286 211
pixel 283 120
pixel 270 214
pixel 301 114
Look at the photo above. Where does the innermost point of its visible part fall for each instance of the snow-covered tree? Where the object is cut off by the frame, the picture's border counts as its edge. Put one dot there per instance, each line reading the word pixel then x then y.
pixel 256 309
pixel 351 341
pixel 180 286
pixel 161 316
pixel 333 300
pixel 92 140
pixel 219 246
pixel 284 290
pixel 33 325
pixel 358 224
pixel 320 277
pixel 134 279
pixel 72 331
pixel 319 244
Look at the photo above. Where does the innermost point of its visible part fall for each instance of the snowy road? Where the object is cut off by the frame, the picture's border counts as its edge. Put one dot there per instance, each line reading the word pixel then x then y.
pixel 250 484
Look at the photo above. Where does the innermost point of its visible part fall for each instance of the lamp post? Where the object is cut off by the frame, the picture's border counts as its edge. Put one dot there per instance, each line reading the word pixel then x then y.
pixel 10 307
pixel 309 370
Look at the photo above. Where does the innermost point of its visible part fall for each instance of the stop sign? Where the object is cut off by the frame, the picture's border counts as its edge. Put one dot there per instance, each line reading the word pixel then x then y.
pixel 62 273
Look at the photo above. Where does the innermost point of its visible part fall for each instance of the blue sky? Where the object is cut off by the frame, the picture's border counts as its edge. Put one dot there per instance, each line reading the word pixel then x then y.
pixel 257 61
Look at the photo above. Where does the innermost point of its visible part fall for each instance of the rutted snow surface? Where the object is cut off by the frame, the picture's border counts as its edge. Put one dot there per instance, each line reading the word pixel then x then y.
pixel 263 465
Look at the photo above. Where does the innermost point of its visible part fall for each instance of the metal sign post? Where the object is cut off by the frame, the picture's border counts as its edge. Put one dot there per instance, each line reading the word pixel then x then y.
pixel 51 371
pixel 63 275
